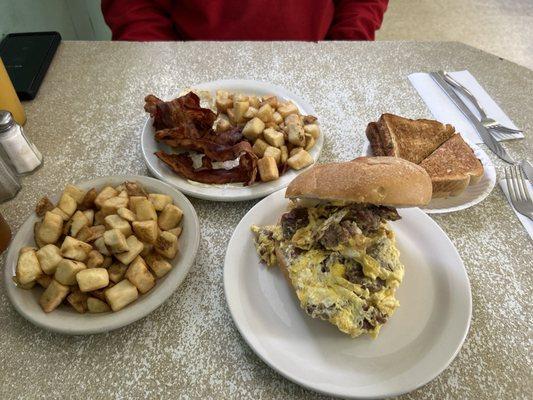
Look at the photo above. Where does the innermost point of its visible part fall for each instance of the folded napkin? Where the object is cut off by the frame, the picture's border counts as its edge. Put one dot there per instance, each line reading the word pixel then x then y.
pixel 528 224
pixel 446 112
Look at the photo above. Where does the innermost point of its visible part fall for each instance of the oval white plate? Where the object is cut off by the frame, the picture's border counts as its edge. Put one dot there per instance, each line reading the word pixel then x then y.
pixel 417 343
pixel 227 192
pixel 67 321
pixel 472 195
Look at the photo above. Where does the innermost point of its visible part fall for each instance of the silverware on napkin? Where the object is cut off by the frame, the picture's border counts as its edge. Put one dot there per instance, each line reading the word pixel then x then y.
pixel 485 135
pixel 518 191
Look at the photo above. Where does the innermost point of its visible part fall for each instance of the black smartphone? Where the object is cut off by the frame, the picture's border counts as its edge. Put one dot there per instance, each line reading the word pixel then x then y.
pixel 27 57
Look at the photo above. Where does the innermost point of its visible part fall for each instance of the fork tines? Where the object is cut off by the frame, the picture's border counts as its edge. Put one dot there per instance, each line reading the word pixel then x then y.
pixel 518 191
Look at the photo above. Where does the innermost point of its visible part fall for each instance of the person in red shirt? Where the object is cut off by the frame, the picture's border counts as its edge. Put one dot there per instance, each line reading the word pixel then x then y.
pixel 308 20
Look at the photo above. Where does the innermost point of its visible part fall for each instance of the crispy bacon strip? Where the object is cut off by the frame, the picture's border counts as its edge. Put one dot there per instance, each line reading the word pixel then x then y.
pixel 182 164
pixel 215 151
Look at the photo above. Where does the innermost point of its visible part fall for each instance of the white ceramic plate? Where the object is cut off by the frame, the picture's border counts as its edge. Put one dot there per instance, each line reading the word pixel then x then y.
pixel 417 343
pixel 472 195
pixel 67 321
pixel 227 192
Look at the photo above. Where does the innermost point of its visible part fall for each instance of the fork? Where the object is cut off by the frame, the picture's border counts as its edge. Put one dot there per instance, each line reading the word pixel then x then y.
pixel 518 191
pixel 487 122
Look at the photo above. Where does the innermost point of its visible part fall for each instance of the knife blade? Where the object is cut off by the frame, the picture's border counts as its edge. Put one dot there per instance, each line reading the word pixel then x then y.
pixel 485 135
pixel 528 170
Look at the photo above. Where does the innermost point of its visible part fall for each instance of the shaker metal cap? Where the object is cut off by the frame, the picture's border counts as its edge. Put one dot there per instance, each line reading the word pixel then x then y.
pixel 6 120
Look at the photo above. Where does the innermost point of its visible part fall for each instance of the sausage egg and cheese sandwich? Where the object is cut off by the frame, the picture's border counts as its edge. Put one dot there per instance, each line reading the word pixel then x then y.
pixel 335 246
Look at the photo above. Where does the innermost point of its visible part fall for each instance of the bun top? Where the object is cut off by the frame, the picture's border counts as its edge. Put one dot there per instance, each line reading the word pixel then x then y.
pixel 388 181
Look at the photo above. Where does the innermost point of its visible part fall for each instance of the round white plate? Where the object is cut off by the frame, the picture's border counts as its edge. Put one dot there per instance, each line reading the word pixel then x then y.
pixel 67 321
pixel 226 192
pixel 417 343
pixel 472 195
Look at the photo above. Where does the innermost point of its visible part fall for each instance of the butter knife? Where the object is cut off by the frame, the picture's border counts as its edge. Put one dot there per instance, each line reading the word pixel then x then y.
pixel 485 135
pixel 528 170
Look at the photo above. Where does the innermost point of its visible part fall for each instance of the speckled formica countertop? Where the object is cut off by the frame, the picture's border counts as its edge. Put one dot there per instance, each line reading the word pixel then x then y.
pixel 86 121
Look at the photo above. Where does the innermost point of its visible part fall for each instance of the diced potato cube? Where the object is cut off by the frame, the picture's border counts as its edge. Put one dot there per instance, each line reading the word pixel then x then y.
pixel 75 249
pixel 273 137
pixel 122 294
pixel 135 247
pixel 95 305
pixel 158 265
pixel 147 249
pixel 296 135
pixel 88 199
pixel 50 229
pixel 265 113
pixel 134 200
pixel 259 147
pixel 115 222
pixel 78 301
pixel 135 189
pixel 106 193
pixel 90 216
pixel 239 108
pixel 117 272
pixel 52 297
pixel 309 119
pixel 147 231
pixel 27 286
pixel 250 113
pixel 120 187
pixel 126 214
pixel 123 194
pixel 115 240
pixel 89 234
pixel 270 100
pixel 44 280
pixel 167 245
pixel 101 246
pixel 170 217
pixel 67 204
pixel 293 119
pixel 61 213
pixel 309 142
pixel 66 271
pixel 43 205
pixel 95 259
pixel 254 101
pixel 300 160
pixel 268 169
pixel 313 130
pixel 140 276
pixel 28 268
pixel 79 220
pixel 222 125
pixel 99 218
pixel 159 200
pixel 176 231
pixel 240 97
pixel 284 154
pixel 92 279
pixel 231 116
pixel 49 256
pixel 75 192
pixel 277 118
pixel 223 104
pixel 273 152
pixel 287 109
pixel 144 210
pixel 253 128
pixel 111 205
pixel 36 228
pixel 295 150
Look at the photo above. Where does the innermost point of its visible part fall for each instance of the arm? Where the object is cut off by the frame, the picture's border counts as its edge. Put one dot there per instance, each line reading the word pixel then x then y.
pixel 356 19
pixel 139 20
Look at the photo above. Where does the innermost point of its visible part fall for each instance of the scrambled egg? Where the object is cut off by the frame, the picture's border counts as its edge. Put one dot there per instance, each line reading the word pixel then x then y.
pixel 340 273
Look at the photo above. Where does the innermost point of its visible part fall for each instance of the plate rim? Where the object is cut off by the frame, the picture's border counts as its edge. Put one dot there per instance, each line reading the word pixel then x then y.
pixel 489 166
pixel 129 316
pixel 190 189
pixel 292 378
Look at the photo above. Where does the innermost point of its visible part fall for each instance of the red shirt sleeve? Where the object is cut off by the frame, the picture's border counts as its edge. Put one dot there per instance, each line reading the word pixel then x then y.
pixel 139 20
pixel 356 19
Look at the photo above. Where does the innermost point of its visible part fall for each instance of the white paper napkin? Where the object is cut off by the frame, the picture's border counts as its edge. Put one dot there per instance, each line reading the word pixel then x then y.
pixel 528 224
pixel 446 112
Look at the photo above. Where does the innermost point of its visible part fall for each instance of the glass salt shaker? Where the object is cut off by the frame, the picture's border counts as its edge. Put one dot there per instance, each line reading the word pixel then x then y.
pixel 23 154
pixel 9 181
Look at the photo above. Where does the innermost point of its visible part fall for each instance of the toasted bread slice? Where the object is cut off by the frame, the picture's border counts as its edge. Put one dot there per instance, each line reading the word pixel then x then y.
pixel 452 167
pixel 410 139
